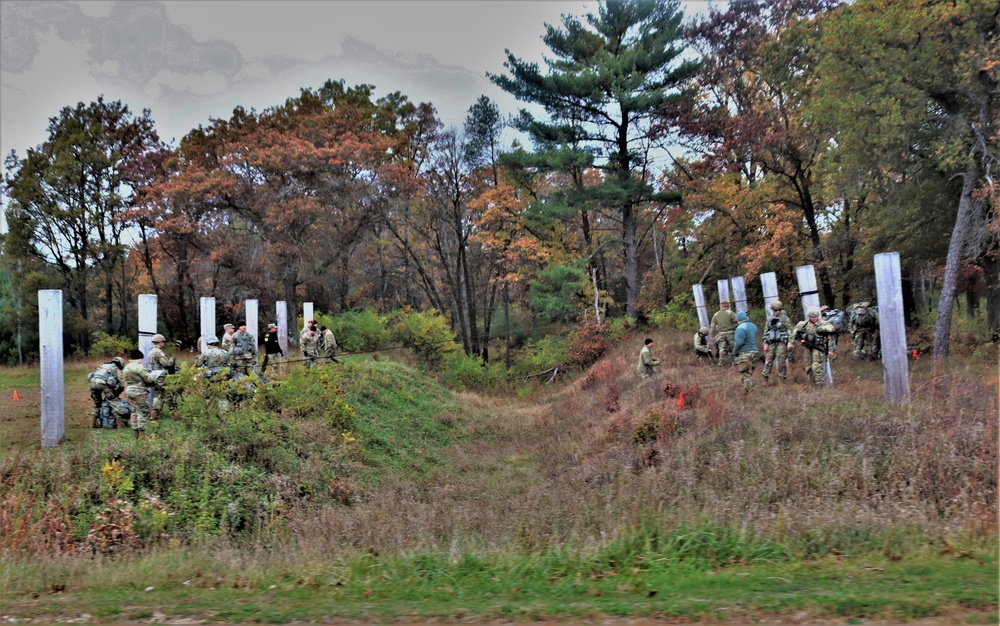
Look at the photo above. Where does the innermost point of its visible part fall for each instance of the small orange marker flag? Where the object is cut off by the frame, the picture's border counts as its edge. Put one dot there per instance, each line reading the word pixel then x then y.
pixel 17 396
pixel 680 400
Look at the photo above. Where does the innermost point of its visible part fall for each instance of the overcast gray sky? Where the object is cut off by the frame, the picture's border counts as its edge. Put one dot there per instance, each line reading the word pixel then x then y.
pixel 189 61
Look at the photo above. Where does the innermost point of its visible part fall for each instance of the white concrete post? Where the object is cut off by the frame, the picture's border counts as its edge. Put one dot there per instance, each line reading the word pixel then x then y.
pixel 699 301
pixel 147 324
pixel 769 284
pixel 50 348
pixel 281 310
pixel 808 291
pixel 809 294
pixel 207 321
pixel 307 314
pixel 252 319
pixel 740 294
pixel 891 328
pixel 723 290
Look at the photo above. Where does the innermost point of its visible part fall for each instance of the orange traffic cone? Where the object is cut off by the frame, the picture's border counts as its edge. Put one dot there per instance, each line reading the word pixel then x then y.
pixel 17 396
pixel 680 400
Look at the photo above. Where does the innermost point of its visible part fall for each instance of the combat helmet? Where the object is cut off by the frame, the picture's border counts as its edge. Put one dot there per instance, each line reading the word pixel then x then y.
pixel 777 305
pixel 703 330
pixel 119 362
pixel 813 311
pixel 211 340
pixel 158 338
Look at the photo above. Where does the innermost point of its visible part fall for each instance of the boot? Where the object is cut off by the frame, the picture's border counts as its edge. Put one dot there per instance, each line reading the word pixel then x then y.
pixel 153 414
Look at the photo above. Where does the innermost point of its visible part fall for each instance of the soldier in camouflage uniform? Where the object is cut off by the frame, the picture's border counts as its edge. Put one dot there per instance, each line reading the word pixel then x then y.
pixel 159 360
pixel 812 334
pixel 723 327
pixel 101 387
pixel 138 381
pixel 745 349
pixel 309 342
pixel 213 358
pixel 328 343
pixel 701 348
pixel 777 341
pixel 242 352
pixel 863 326
pixel 227 337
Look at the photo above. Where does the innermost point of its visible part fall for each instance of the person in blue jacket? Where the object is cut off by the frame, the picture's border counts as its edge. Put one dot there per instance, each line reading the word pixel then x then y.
pixel 745 349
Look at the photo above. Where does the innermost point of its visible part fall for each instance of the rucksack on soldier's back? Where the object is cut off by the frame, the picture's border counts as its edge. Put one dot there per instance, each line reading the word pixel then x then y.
pixel 836 317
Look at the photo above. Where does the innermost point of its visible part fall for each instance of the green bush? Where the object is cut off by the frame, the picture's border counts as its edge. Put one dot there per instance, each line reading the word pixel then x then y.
pixel 541 355
pixel 462 371
pixel 358 331
pixel 110 346
pixel 679 314
pixel 426 332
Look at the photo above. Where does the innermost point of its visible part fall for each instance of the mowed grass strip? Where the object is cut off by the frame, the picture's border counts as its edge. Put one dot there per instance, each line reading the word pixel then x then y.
pixel 529 587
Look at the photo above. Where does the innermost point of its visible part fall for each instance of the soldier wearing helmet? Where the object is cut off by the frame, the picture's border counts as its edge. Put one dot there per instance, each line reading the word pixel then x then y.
pixel 213 358
pixel 812 334
pixel 159 360
pixel 777 341
pixel 701 349
pixel 105 385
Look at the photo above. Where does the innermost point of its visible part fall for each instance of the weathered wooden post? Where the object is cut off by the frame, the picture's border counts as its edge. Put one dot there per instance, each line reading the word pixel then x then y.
pixel 50 348
pixel 147 324
pixel 740 294
pixel 723 290
pixel 252 319
pixel 769 284
pixel 891 328
pixel 281 310
pixel 207 321
pixel 809 294
pixel 699 302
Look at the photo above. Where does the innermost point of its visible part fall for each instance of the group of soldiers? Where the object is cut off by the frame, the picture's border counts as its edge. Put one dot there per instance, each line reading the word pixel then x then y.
pixel 143 386
pixel 736 339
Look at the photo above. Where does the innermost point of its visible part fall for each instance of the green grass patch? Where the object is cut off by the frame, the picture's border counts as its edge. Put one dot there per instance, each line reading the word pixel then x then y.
pixel 668 582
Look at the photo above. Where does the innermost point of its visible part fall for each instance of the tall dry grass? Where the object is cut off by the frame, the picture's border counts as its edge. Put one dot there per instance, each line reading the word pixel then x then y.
pixel 830 468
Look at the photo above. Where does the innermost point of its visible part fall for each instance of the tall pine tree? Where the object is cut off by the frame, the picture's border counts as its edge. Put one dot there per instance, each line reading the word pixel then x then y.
pixel 606 78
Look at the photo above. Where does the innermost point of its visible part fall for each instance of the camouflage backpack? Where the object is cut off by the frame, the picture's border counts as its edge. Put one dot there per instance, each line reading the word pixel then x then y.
pixel 242 343
pixel 836 317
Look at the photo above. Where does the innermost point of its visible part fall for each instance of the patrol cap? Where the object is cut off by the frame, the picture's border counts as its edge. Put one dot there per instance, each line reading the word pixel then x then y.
pixel 211 339
pixel 158 338
pixel 272 325
pixel 777 305
pixel 228 326
pixel 724 303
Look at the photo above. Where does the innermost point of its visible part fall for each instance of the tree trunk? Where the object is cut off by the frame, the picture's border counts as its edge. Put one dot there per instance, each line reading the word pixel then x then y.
pixel 991 265
pixel 631 260
pixel 942 327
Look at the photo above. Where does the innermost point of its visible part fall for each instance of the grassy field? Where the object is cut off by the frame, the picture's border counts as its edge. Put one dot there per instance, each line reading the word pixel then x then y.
pixel 369 492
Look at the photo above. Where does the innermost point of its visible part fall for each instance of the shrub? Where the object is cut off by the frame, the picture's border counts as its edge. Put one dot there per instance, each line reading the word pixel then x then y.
pixel 428 333
pixel 110 345
pixel 587 345
pixel 678 314
pixel 460 370
pixel 541 355
pixel 358 331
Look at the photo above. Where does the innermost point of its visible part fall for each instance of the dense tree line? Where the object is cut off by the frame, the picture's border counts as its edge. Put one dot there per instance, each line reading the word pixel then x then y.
pixel 760 136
